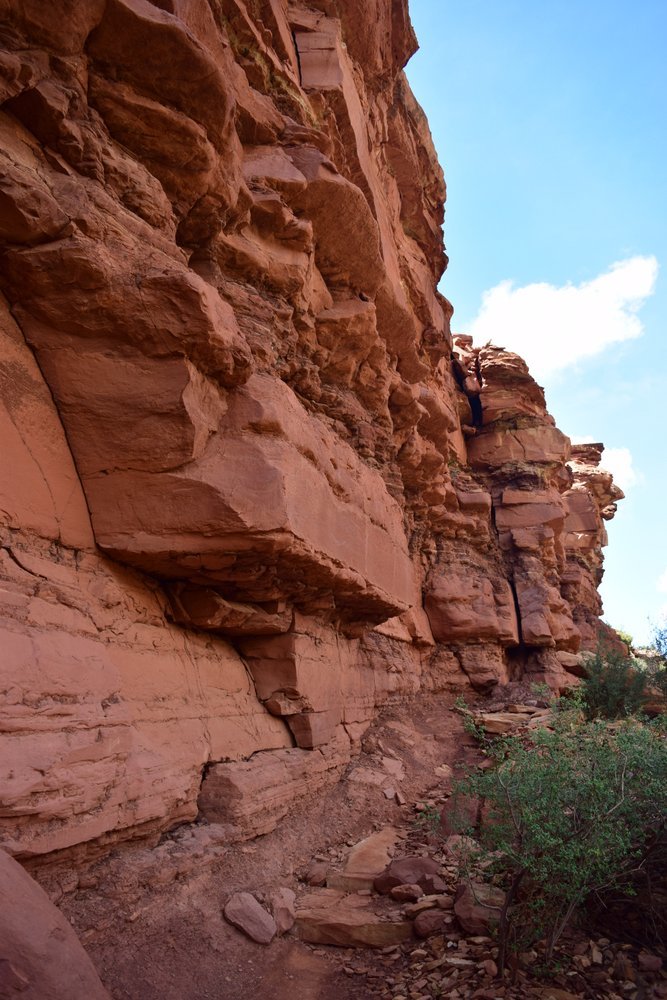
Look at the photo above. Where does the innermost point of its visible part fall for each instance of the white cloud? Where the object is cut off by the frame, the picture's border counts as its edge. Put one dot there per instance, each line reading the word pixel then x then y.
pixel 618 461
pixel 553 327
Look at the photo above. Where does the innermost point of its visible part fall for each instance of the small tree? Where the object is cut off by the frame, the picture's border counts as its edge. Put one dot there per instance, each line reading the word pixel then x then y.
pixel 614 688
pixel 659 642
pixel 569 813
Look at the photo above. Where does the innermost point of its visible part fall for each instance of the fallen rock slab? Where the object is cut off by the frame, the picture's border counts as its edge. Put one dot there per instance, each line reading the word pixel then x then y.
pixel 431 922
pixel 252 796
pixel 329 916
pixel 365 862
pixel 499 723
pixel 404 871
pixel 247 915
pixel 433 884
pixel 282 904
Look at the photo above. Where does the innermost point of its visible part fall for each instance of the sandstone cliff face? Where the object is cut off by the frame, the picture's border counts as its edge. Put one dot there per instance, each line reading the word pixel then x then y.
pixel 252 486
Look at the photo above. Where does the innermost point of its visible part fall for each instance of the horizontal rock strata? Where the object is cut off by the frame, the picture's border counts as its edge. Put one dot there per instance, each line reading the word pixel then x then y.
pixel 253 486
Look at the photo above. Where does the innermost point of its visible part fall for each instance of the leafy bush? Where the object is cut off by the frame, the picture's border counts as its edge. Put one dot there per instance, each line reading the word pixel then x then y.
pixel 659 642
pixel 614 688
pixel 573 811
pixel 659 645
pixel 625 637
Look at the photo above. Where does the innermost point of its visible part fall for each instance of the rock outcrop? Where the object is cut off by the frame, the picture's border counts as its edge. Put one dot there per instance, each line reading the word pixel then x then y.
pixel 40 955
pixel 253 487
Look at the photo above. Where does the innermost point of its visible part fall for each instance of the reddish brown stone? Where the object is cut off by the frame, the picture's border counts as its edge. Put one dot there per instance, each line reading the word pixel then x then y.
pixel 406 871
pixel 40 955
pixel 477 907
pixel 282 906
pixel 244 912
pixel 406 893
pixel 431 922
pixel 226 365
pixel 328 916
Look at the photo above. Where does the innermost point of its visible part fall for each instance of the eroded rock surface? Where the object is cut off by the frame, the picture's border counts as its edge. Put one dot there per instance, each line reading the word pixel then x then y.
pixel 254 487
pixel 40 955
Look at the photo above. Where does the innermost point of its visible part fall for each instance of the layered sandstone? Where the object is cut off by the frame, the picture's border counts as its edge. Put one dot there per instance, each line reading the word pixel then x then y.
pixel 253 485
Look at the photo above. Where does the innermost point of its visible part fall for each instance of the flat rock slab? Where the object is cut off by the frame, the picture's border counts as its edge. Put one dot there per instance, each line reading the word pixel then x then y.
pixel 409 871
pixel 499 723
pixel 246 914
pixel 394 768
pixel 329 916
pixel 368 776
pixel 365 862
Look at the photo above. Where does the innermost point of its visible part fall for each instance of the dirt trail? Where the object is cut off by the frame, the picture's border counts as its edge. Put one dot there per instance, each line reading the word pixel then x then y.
pixel 154 926
pixel 151 918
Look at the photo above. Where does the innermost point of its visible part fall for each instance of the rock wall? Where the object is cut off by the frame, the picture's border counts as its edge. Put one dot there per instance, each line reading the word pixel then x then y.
pixel 253 487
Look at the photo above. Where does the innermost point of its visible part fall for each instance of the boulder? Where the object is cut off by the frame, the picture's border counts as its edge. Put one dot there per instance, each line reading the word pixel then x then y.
pixel 432 884
pixel 245 913
pixel 281 903
pixel 404 871
pixel 365 862
pixel 329 916
pixel 431 922
pixel 470 607
pixel 317 873
pixel 477 906
pixel 406 893
pixel 41 957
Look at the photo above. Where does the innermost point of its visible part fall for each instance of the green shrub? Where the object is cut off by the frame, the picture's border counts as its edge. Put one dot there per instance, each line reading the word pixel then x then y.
pixel 614 688
pixel 625 637
pixel 659 645
pixel 659 642
pixel 568 813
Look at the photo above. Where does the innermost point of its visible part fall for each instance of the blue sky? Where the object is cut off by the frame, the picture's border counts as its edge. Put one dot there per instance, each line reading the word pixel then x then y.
pixel 550 120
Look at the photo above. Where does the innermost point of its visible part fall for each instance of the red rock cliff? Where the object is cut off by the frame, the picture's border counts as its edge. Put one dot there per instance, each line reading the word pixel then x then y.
pixel 252 486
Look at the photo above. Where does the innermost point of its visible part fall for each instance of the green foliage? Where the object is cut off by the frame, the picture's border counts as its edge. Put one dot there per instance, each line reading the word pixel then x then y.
pixel 660 680
pixel 542 691
pixel 659 641
pixel 614 688
pixel 569 813
pixel 471 727
pixel 659 645
pixel 625 637
pixel 428 818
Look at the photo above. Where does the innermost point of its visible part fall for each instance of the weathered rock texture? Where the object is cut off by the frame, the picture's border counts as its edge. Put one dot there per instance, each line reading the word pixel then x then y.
pixel 40 955
pixel 252 487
